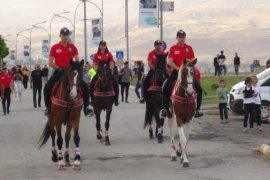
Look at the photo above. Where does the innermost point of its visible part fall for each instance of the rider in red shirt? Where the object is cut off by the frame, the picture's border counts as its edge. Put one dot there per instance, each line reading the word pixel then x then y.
pixel 6 80
pixel 152 64
pixel 60 56
pixel 177 54
pixel 103 54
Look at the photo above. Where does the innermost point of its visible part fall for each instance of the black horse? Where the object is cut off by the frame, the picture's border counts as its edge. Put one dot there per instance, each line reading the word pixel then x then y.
pixel 103 97
pixel 154 98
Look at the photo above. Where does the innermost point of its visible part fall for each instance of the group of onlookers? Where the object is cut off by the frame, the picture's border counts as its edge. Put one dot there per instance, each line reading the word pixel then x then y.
pixel 220 65
pixel 251 104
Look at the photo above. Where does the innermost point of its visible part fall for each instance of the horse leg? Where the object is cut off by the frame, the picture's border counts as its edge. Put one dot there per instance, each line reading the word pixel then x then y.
pixel 183 142
pixel 107 125
pixel 54 151
pixel 171 125
pixel 159 127
pixel 148 119
pixel 98 126
pixel 61 163
pixel 77 159
pixel 67 139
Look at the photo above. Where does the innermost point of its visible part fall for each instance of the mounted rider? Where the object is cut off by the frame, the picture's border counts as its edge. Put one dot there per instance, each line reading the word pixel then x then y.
pixel 177 54
pixel 152 64
pixel 60 55
pixel 103 54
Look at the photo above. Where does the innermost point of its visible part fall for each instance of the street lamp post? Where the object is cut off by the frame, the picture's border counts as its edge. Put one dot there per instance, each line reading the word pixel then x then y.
pixel 18 34
pixel 24 37
pixel 43 30
pixel 50 37
pixel 30 48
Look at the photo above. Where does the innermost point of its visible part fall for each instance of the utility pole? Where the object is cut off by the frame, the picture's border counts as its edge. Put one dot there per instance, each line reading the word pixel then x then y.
pixel 126 28
pixel 85 33
pixel 161 19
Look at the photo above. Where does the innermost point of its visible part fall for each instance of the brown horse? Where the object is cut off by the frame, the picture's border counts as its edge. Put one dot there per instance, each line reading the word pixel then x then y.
pixel 103 98
pixel 184 106
pixel 65 109
pixel 154 98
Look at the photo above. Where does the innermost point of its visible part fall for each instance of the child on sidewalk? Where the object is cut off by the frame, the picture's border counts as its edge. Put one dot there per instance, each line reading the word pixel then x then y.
pixel 257 102
pixel 222 101
pixel 248 93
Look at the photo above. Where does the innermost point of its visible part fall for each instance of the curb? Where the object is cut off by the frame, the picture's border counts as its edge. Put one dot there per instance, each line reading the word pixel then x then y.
pixel 264 149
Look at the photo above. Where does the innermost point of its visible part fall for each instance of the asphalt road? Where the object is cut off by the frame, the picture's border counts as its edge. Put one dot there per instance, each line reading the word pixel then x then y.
pixel 216 151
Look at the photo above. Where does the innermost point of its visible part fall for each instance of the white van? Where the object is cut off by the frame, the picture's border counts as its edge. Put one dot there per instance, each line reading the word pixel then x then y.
pixel 235 98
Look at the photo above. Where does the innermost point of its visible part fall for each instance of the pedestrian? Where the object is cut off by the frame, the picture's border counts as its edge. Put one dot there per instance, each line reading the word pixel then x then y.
pixel 221 61
pixel 60 55
pixel 126 78
pixel 6 81
pixel 140 80
pixel 248 93
pixel 45 72
pixel 36 84
pixel 177 54
pixel 85 76
pixel 17 81
pixel 268 63
pixel 216 66
pixel 151 63
pixel 222 101
pixel 199 91
pixel 103 54
pixel 91 72
pixel 252 66
pixel 257 102
pixel 236 62
pixel 25 72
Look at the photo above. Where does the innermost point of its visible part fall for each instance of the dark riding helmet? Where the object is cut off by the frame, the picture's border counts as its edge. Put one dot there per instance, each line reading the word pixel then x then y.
pixel 180 33
pixel 64 31
pixel 157 43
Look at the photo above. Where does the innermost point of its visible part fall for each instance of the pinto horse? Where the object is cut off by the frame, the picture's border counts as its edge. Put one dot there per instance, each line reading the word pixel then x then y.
pixel 103 99
pixel 184 106
pixel 65 109
pixel 154 98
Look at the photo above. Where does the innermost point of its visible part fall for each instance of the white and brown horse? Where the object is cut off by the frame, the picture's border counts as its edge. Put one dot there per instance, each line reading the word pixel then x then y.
pixel 184 107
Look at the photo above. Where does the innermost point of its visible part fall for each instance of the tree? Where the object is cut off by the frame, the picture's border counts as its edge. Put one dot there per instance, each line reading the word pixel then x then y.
pixel 4 50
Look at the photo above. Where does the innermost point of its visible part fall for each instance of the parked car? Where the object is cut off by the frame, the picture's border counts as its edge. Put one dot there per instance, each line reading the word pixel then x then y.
pixel 235 98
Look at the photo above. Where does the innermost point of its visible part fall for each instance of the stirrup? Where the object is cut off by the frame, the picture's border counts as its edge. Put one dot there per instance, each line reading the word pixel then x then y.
pixel 47 112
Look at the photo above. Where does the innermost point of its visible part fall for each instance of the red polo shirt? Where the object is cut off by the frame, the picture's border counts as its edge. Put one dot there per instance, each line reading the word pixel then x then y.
pixel 5 80
pixel 178 54
pixel 63 54
pixel 99 56
pixel 152 58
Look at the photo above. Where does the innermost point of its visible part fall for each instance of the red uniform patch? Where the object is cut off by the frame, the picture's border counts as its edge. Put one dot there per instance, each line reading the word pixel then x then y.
pixel 63 54
pixel 103 57
pixel 5 80
pixel 178 54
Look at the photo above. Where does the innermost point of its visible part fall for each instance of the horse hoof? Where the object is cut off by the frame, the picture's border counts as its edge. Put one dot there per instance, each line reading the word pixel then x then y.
pixel 77 167
pixel 173 158
pixel 61 167
pixel 160 138
pixel 54 156
pixel 99 136
pixel 181 160
pixel 67 163
pixel 185 164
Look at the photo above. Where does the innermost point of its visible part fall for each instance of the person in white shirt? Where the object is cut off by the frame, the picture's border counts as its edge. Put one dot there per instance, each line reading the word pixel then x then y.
pixel 257 102
pixel 249 94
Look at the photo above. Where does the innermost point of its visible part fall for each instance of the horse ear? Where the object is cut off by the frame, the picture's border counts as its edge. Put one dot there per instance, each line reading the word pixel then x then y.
pixel 71 62
pixel 82 63
pixel 195 61
pixel 185 61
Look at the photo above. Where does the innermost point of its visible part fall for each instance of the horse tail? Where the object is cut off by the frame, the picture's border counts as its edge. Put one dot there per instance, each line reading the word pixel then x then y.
pixel 44 136
pixel 148 115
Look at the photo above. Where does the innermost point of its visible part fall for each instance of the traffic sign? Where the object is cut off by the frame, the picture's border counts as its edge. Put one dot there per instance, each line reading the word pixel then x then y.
pixel 119 54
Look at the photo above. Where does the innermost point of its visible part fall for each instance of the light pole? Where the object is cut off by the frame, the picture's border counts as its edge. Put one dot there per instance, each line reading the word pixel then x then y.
pixel 30 48
pixel 43 30
pixel 18 34
pixel 85 26
pixel 24 37
pixel 50 37
pixel 126 28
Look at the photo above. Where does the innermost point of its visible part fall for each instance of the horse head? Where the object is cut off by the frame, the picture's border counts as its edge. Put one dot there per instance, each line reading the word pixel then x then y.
pixel 104 73
pixel 186 76
pixel 74 77
pixel 160 68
